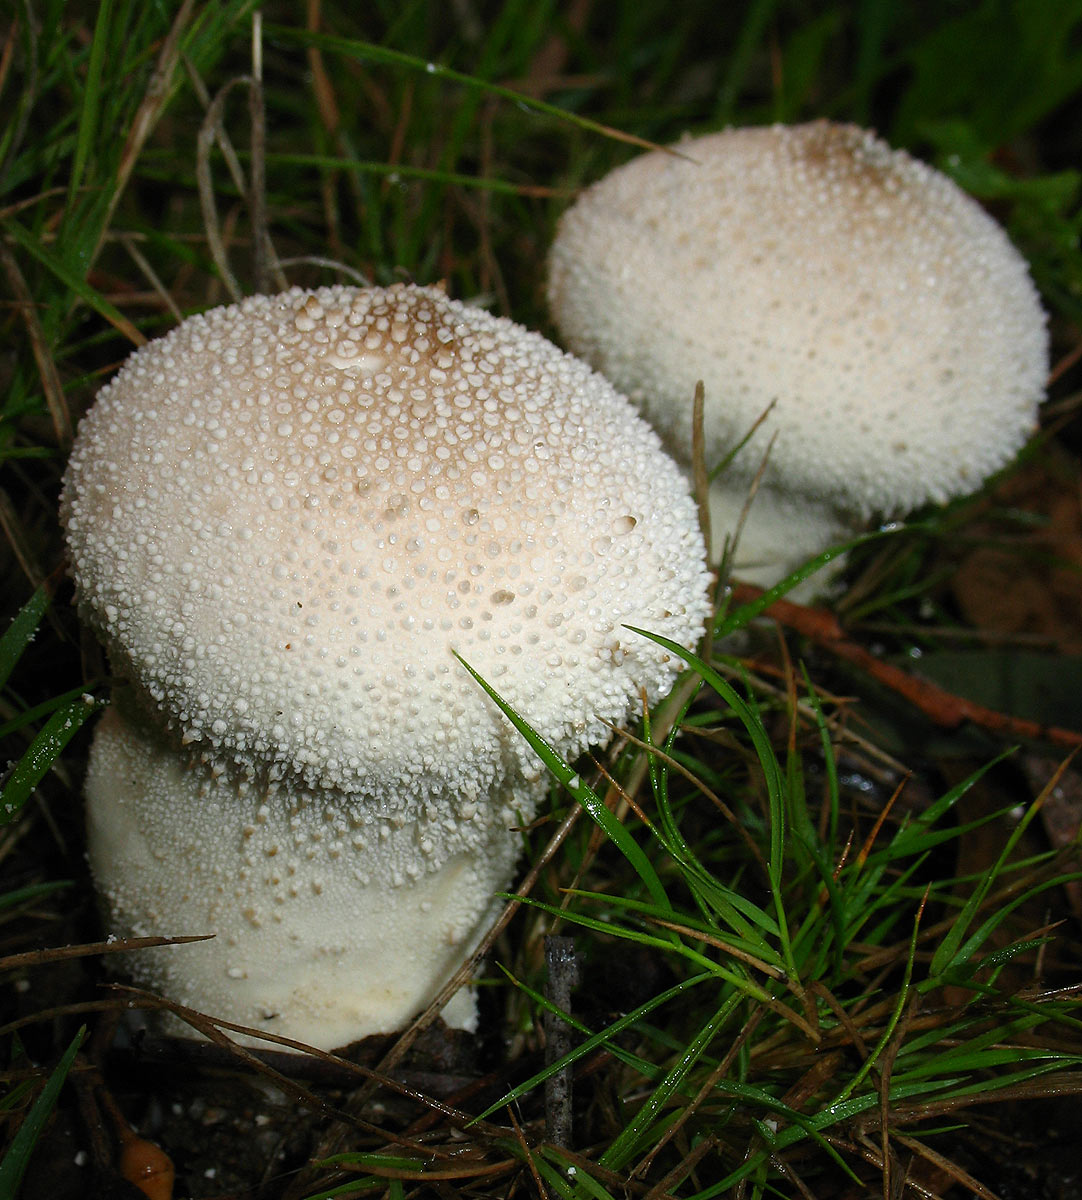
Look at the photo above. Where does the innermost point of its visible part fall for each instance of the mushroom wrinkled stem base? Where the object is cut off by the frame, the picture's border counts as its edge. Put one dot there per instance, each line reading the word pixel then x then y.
pixel 326 929
pixel 778 534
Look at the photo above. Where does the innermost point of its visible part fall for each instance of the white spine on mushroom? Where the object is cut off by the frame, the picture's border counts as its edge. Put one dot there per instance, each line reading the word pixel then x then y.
pixel 283 518
pixel 882 312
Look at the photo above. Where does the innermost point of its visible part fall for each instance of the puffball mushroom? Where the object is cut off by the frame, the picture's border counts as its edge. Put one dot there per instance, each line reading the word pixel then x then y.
pixel 325 929
pixel 283 519
pixel 885 316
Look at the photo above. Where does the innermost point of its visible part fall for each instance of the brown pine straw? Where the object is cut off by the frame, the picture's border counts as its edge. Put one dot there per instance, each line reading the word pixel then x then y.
pixel 944 708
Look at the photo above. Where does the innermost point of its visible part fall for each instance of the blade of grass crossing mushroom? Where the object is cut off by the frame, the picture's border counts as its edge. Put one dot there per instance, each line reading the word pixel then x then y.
pixel 15 1161
pixel 721 467
pixel 729 622
pixel 582 793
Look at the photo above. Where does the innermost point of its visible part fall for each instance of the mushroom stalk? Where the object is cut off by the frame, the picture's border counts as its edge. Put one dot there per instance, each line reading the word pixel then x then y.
pixel 331 920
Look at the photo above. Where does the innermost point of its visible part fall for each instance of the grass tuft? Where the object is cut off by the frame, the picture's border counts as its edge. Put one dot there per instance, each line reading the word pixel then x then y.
pixel 829 939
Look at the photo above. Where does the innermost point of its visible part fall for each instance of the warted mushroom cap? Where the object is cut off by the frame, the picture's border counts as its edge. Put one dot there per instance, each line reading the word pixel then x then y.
pixel 883 312
pixel 285 515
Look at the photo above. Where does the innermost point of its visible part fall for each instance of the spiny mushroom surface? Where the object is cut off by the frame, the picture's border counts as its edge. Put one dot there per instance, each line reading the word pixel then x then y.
pixel 284 519
pixel 882 312
pixel 285 514
pixel 326 928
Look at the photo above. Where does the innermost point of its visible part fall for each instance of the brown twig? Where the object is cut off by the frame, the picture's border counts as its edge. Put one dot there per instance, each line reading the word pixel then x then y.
pixel 151 108
pixel 257 179
pixel 208 132
pixel 945 708
pixel 36 958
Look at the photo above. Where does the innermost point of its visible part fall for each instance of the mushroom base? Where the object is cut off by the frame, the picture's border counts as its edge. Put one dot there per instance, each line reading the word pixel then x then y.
pixel 319 937
pixel 780 533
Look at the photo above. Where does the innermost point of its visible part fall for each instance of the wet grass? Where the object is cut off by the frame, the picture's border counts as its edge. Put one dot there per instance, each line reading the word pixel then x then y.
pixel 817 936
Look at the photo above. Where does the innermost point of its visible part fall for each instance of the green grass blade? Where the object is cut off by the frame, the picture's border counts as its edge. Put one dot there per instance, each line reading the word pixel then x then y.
pixel 557 1181
pixel 349 1189
pixel 43 751
pixel 72 280
pixel 368 52
pixel 20 633
pixel 40 712
pixel 772 775
pixel 892 1024
pixel 582 793
pixel 562 1173
pixel 92 100
pixel 611 929
pixel 33 891
pixel 951 952
pixel 729 622
pixel 17 1158
pixel 594 1041
pixel 627 1142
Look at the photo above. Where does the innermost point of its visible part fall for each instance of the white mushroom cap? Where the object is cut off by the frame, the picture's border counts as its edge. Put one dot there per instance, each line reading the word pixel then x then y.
pixel 885 315
pixel 324 930
pixel 285 515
